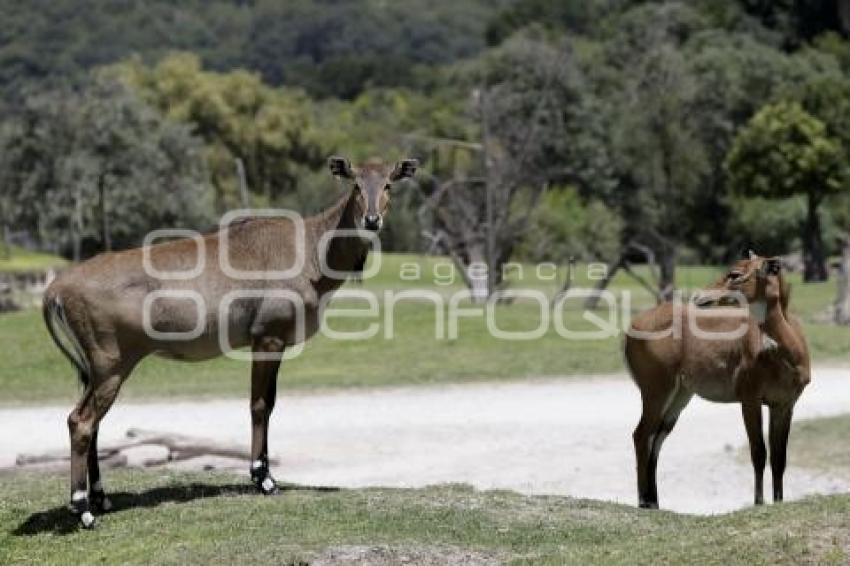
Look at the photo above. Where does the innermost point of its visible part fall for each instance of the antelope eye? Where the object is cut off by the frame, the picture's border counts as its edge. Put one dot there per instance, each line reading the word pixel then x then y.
pixel 387 187
pixel 734 275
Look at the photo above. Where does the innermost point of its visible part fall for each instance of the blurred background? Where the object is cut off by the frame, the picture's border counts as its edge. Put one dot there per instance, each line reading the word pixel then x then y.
pixel 659 139
pixel 677 133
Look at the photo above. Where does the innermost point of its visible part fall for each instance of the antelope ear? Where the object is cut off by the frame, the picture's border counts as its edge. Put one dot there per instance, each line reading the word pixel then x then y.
pixel 340 167
pixel 404 169
pixel 770 266
pixel 773 266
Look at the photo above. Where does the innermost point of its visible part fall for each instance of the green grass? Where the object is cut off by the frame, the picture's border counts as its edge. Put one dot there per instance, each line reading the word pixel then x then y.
pixel 19 259
pixel 170 518
pixel 34 371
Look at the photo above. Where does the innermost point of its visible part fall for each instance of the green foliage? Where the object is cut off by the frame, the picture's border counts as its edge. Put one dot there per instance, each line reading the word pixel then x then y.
pixel 650 95
pixel 556 15
pixel 343 48
pixel 764 225
pixel 797 20
pixel 237 116
pixel 66 153
pixel 564 227
pixel 784 151
pixel 330 48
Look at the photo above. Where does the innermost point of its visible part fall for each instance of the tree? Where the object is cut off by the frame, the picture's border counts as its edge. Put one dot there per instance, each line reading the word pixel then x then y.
pixel 237 116
pixel 91 169
pixel 784 151
pixel 563 227
pixel 658 155
pixel 480 199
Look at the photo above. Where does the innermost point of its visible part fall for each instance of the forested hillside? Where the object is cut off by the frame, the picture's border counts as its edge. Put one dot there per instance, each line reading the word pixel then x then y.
pixel 675 131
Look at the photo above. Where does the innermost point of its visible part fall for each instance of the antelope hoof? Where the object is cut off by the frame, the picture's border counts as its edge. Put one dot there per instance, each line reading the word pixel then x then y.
pixel 268 486
pixel 80 506
pixel 262 478
pixel 648 505
pixel 87 520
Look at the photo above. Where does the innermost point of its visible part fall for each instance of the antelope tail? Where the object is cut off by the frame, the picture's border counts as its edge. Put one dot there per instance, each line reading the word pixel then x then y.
pixel 57 324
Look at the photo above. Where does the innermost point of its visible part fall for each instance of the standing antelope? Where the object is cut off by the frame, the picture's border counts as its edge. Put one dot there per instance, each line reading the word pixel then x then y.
pixel 100 313
pixel 768 363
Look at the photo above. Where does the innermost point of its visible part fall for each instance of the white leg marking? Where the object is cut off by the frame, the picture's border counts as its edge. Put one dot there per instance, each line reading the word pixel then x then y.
pixel 79 495
pixel 87 519
pixel 268 484
pixel 256 464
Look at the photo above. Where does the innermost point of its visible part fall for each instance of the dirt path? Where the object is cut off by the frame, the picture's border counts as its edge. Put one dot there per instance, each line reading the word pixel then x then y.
pixel 568 436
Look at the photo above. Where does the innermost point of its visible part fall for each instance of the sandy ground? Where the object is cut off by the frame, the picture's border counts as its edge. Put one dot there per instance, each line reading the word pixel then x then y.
pixel 568 436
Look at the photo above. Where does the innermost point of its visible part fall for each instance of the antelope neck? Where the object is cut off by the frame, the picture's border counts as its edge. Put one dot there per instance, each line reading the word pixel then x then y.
pixel 345 252
pixel 777 327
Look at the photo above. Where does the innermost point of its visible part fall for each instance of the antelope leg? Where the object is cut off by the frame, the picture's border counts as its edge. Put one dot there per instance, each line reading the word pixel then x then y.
pixel 758 453
pixel 780 427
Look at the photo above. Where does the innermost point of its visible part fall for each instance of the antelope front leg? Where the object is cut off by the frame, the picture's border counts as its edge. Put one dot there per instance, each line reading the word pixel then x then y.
pixel 780 427
pixel 267 356
pixel 758 452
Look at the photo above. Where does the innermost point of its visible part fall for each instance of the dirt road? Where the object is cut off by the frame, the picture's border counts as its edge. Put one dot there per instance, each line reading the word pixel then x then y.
pixel 566 436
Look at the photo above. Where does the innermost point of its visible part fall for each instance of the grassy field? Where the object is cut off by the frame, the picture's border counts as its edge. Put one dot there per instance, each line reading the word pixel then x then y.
pixel 18 259
pixel 33 370
pixel 170 518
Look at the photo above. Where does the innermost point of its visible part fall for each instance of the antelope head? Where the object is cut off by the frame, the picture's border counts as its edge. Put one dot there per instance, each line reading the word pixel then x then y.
pixel 371 183
pixel 757 279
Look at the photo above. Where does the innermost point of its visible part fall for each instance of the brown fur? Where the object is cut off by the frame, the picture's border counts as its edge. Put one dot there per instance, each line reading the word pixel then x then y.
pixel 98 307
pixel 670 370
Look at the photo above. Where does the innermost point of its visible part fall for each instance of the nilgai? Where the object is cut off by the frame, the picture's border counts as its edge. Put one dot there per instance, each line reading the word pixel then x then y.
pixel 767 363
pixel 108 313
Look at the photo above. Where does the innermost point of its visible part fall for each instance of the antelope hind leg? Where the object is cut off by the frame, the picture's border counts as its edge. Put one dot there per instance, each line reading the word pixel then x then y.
pixel 82 426
pixel 644 436
pixel 98 500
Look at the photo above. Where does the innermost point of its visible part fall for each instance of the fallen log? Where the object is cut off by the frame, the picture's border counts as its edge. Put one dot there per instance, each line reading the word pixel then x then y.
pixel 180 447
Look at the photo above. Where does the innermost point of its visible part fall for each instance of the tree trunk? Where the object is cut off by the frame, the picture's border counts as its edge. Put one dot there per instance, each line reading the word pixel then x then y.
pixel 478 285
pixel 104 215
pixel 592 301
pixel 814 256
pixel 78 226
pixel 844 15
pixel 842 298
pixel 667 273
pixel 5 246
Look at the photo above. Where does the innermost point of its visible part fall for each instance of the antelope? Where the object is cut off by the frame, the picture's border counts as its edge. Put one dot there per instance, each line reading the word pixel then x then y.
pixel 766 364
pixel 100 312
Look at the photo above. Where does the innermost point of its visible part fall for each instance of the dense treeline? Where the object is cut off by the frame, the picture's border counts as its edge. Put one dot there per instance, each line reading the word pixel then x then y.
pixel 329 47
pixel 607 129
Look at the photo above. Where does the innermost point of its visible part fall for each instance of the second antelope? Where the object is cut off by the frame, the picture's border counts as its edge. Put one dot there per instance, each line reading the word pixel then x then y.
pixel 767 363
pixel 100 312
